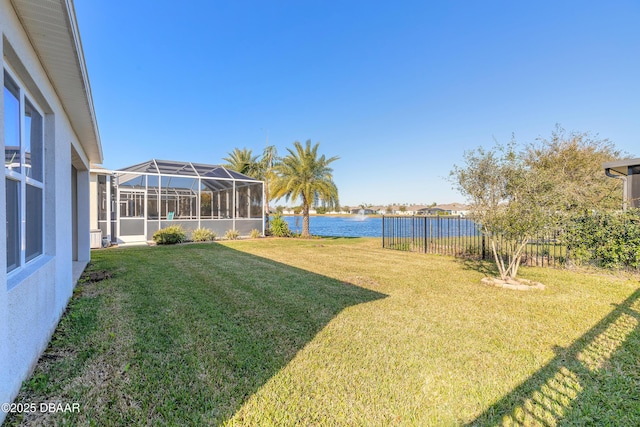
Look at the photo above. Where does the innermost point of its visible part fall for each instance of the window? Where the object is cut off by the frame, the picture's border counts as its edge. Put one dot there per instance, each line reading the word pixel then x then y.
pixel 24 175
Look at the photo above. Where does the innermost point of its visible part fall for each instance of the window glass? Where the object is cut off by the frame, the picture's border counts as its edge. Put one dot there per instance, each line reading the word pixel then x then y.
pixel 13 224
pixel 11 125
pixel 33 230
pixel 33 150
pixel 23 132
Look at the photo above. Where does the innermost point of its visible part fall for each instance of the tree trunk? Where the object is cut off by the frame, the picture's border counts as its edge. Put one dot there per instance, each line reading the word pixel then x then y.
pixel 499 262
pixel 305 220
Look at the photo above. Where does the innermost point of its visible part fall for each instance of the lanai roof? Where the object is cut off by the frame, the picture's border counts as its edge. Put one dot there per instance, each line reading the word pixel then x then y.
pixel 201 170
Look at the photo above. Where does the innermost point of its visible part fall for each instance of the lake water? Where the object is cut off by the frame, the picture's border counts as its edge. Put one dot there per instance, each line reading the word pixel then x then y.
pixel 365 226
pixel 355 226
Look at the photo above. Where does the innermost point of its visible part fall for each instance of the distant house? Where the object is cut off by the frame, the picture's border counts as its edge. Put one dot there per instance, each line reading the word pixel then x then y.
pixel 361 211
pixel 379 210
pixel 49 137
pixel 457 209
pixel 414 209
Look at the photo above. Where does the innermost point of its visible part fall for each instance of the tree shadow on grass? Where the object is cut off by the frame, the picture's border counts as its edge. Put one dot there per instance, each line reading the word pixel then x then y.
pixel 595 381
pixel 486 267
pixel 210 325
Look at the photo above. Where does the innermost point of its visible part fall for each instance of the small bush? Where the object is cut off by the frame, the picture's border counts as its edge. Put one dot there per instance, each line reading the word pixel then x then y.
pixel 255 233
pixel 232 234
pixel 203 235
pixel 278 227
pixel 170 235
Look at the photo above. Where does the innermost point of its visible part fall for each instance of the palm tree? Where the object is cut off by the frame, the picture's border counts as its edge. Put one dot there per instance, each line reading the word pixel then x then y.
pixel 266 165
pixel 302 174
pixel 243 161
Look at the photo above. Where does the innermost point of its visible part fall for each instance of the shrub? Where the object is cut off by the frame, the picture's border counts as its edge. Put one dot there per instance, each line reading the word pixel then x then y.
pixel 203 235
pixel 170 235
pixel 255 233
pixel 232 234
pixel 278 227
pixel 609 240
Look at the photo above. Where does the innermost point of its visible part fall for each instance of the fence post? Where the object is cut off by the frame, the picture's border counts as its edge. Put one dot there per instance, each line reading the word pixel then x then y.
pixel 424 237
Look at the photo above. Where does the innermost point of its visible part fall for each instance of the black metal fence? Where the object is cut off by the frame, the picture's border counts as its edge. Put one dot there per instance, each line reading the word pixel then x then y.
pixel 461 237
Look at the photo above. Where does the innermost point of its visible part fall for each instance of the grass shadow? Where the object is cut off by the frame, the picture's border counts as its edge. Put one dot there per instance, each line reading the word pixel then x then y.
pixel 185 335
pixel 595 381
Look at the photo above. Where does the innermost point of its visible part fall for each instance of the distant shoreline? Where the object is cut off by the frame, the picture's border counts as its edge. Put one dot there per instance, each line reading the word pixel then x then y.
pixel 336 215
pixel 377 215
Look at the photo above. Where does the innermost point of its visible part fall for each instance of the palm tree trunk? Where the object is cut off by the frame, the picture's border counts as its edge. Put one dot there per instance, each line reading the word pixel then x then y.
pixel 305 220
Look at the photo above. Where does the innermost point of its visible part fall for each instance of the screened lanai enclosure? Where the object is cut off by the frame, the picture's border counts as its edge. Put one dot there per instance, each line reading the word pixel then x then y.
pixel 135 202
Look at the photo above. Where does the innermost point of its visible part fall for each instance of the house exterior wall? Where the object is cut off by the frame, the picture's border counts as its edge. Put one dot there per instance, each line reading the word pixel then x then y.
pixel 33 297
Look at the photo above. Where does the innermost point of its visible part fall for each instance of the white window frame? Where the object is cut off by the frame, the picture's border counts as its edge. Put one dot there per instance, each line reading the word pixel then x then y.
pixel 22 178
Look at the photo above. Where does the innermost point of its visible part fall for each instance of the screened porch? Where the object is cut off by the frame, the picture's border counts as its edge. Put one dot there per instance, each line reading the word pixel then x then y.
pixel 153 195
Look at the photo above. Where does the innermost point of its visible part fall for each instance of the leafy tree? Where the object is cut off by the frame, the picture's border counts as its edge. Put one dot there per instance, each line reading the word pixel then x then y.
pixel 507 199
pixel 302 174
pixel 571 164
pixel 243 161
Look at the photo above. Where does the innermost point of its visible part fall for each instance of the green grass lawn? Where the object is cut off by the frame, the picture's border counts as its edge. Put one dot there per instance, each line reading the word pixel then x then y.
pixel 337 332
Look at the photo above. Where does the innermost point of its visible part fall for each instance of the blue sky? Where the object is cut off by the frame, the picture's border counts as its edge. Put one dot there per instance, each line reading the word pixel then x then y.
pixel 398 89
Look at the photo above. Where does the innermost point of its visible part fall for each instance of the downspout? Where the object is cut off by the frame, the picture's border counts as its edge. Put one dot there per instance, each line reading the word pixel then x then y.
pixel 607 172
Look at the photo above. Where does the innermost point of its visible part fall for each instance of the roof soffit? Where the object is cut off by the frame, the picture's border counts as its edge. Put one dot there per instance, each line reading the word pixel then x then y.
pixel 621 166
pixel 53 33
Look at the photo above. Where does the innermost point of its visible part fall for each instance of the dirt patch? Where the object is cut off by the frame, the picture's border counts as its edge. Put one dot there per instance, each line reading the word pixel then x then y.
pixel 515 284
pixel 95 276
